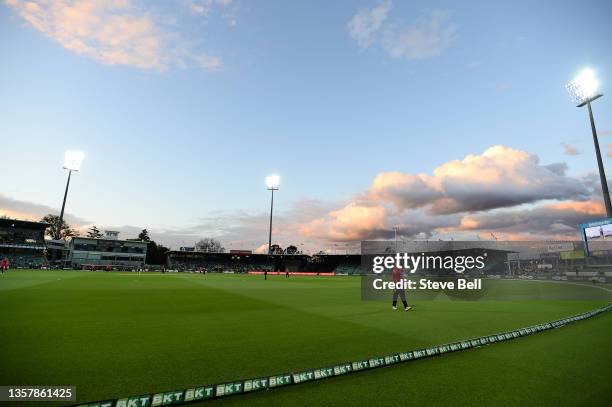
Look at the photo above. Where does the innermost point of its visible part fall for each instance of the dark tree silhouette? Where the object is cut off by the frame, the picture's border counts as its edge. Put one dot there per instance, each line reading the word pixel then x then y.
pixel 94 232
pixel 209 245
pixel 144 236
pixel 58 230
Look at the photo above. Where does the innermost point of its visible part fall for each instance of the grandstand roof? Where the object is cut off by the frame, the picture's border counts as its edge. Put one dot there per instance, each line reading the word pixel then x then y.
pixel 110 240
pixel 228 254
pixel 7 223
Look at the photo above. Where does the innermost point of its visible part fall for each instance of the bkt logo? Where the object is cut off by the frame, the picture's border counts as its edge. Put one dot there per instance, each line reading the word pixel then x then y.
pixel 199 393
pixel 255 384
pixel 140 401
pixel 164 399
pixel 342 369
pixel 229 388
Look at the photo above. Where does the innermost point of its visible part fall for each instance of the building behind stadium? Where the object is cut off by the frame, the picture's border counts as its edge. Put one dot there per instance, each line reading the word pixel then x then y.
pixel 24 244
pixel 108 251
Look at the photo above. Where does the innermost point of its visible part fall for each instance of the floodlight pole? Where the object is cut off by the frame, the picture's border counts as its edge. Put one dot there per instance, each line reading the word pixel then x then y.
pixel 272 189
pixel 602 172
pixel 61 218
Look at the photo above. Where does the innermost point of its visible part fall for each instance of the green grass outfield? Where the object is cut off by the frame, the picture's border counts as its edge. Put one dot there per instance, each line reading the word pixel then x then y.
pixel 120 334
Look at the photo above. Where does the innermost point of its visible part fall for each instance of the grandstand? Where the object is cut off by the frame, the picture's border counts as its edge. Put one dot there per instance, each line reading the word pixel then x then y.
pixel 225 262
pixel 23 243
pixel 334 263
pixel 107 252
pixel 247 262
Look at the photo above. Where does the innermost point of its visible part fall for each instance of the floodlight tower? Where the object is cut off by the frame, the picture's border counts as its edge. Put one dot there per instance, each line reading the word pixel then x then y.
pixel 272 181
pixel 583 90
pixel 72 162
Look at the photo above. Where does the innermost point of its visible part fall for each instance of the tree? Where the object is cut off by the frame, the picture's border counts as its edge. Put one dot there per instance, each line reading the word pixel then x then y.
pixel 276 249
pixel 58 230
pixel 156 253
pixel 291 250
pixel 144 236
pixel 209 245
pixel 94 232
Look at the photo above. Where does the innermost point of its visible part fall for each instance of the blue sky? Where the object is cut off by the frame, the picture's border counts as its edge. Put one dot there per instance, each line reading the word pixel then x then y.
pixel 188 130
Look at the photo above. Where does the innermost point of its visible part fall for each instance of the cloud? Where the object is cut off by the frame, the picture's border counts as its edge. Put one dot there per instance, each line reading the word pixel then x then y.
pixel 499 177
pixel 231 227
pixel 261 249
pixel 367 22
pixel 570 150
pixel 352 222
pixel 609 150
pixel 462 196
pixel 203 7
pixel 17 209
pixel 502 190
pixel 208 62
pixel 430 34
pixel 558 220
pixel 405 191
pixel 243 229
pixel 249 230
pixel 546 221
pixel 235 229
pixel 112 32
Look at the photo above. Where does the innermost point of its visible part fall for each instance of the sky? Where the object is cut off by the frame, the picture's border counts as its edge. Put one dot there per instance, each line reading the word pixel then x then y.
pixel 444 119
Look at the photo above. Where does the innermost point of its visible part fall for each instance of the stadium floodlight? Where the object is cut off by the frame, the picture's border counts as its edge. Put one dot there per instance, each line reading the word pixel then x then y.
pixel 272 181
pixel 72 162
pixel 583 90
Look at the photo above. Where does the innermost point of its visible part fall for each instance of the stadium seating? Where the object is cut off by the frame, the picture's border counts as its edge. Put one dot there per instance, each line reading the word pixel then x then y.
pixel 218 267
pixel 27 261
pixel 350 269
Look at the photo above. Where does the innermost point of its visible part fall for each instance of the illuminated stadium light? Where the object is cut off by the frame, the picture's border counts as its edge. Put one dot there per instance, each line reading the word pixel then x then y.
pixel 73 160
pixel 273 181
pixel 584 89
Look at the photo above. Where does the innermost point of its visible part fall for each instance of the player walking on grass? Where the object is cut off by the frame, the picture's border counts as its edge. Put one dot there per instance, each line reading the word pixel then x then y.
pixel 397 275
pixel 5 264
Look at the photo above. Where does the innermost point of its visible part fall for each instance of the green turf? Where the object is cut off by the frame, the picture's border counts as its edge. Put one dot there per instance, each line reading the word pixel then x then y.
pixel 119 334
